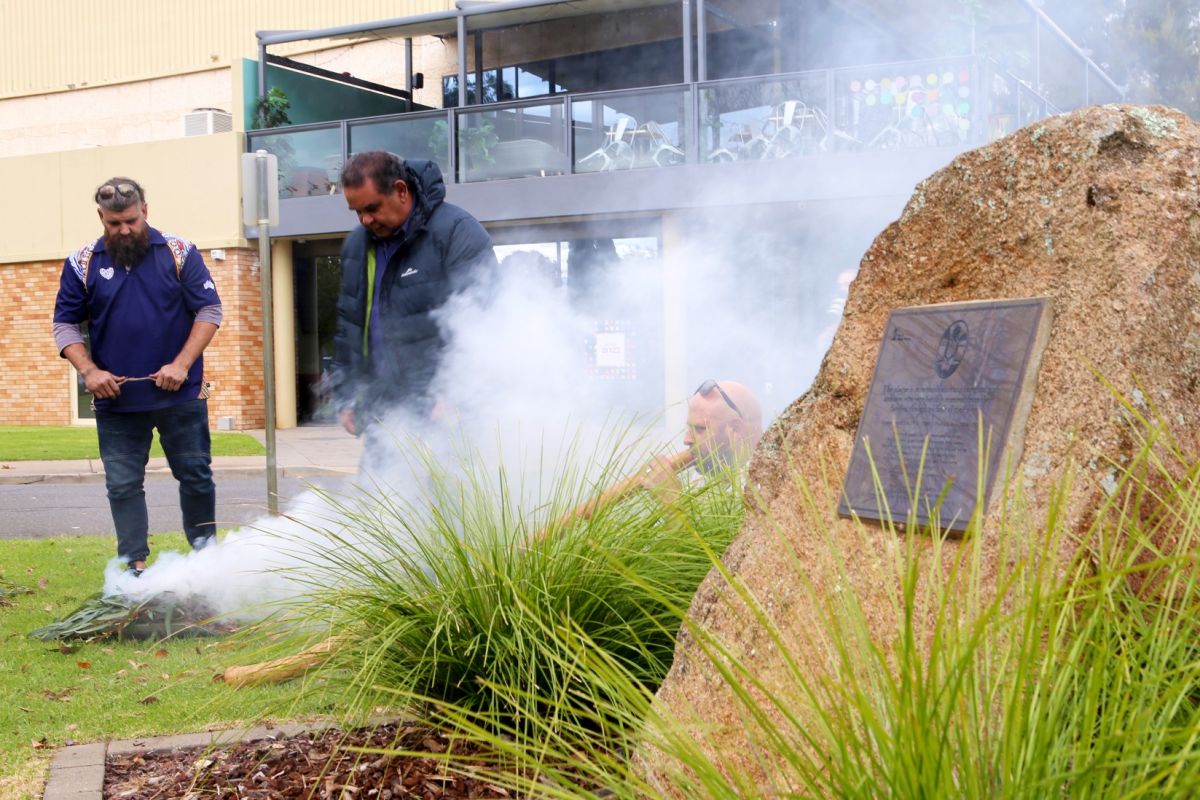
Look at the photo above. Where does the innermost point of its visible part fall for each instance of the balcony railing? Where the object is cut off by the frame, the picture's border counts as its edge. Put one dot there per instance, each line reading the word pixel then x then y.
pixel 639 129
pixel 935 103
pixel 511 140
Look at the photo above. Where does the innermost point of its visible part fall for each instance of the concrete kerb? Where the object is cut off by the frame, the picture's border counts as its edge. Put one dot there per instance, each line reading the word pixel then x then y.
pixel 24 478
pixel 77 771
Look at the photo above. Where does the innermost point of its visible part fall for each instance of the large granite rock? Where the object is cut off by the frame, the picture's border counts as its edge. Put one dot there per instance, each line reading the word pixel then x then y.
pixel 1097 210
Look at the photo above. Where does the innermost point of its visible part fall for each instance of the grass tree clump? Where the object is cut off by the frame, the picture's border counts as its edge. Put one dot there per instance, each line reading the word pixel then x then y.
pixel 463 593
pixel 1074 670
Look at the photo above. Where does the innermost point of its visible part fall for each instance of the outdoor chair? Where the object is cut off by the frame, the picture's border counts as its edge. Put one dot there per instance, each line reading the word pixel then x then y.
pixel 616 152
pixel 795 128
pixel 732 147
pixel 662 151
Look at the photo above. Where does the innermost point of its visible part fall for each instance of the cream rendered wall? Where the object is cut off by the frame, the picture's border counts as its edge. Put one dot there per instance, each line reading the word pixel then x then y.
pixel 113 115
pixel 152 110
pixel 76 75
pixel 193 188
pixel 61 45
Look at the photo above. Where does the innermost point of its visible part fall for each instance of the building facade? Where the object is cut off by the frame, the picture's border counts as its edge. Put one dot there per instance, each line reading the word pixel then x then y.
pixel 155 91
pixel 731 161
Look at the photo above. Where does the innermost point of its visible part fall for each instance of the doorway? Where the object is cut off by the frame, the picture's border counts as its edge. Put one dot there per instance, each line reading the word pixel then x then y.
pixel 317 278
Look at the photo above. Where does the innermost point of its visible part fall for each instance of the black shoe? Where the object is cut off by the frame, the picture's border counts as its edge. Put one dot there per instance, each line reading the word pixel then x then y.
pixel 203 542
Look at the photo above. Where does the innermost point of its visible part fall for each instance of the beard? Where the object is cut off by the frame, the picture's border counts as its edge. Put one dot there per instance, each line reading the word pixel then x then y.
pixel 714 458
pixel 130 249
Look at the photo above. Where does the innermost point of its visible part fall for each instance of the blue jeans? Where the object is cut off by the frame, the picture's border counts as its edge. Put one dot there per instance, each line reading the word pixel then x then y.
pixel 125 449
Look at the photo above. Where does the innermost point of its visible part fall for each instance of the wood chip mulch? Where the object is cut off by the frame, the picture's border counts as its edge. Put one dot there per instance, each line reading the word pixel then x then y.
pixel 317 764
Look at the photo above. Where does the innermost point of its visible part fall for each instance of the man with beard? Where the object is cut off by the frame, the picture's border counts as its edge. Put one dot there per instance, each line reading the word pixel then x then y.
pixel 724 425
pixel 151 308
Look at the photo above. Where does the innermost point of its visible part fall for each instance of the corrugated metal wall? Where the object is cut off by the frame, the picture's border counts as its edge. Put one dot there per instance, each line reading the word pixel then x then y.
pixel 54 45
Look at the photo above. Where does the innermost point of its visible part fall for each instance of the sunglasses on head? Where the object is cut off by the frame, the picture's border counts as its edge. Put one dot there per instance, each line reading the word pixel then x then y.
pixel 109 190
pixel 709 385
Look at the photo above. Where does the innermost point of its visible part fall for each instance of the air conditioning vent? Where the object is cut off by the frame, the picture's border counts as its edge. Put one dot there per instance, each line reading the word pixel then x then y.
pixel 202 121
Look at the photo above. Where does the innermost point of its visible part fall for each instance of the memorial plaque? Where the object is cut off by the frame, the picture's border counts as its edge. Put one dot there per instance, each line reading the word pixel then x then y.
pixel 945 373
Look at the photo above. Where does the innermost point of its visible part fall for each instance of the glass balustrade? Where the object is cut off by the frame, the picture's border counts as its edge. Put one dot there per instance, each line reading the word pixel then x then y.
pixel 948 102
pixel 766 118
pixel 631 129
pixel 511 140
pixel 309 158
pixel 934 103
pixel 421 135
pixel 1011 103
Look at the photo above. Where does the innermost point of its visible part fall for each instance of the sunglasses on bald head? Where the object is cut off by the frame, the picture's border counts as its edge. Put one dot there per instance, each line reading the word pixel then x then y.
pixel 709 385
pixel 110 190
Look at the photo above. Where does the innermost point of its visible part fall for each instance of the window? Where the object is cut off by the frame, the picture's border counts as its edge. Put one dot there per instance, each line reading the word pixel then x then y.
pixel 503 83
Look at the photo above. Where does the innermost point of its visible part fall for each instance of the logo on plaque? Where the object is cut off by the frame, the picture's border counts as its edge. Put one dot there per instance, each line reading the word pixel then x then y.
pixel 953 346
pixel 931 423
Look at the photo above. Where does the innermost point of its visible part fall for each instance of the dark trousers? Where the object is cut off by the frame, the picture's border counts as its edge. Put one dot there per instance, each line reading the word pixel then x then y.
pixel 125 448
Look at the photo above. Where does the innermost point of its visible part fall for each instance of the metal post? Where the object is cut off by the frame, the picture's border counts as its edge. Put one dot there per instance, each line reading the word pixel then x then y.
pixel 408 69
pixel 462 59
pixel 980 78
pixel 691 132
pixel 831 116
pixel 701 42
pixel 1037 54
pixel 344 132
pixel 452 144
pixel 262 68
pixel 268 335
pixel 688 66
pixel 569 133
pixel 479 93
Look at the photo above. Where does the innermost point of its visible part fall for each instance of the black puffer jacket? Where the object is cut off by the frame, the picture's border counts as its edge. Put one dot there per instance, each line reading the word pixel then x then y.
pixel 445 250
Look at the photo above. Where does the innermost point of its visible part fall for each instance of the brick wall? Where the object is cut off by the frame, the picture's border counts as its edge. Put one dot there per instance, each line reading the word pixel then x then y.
pixel 37 388
pixel 233 362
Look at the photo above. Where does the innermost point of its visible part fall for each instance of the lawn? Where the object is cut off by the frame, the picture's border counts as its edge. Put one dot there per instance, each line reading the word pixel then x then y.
pixel 53 694
pixel 57 443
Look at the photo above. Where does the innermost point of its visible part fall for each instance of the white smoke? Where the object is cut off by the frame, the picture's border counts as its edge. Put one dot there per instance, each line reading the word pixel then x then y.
pixel 249 571
pixel 542 378
pixel 518 402
pixel 524 394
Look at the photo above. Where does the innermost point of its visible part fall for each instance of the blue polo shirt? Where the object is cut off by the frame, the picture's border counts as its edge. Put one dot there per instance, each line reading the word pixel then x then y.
pixel 139 318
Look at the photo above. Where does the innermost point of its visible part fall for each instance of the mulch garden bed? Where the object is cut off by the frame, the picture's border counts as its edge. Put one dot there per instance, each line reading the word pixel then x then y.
pixel 317 764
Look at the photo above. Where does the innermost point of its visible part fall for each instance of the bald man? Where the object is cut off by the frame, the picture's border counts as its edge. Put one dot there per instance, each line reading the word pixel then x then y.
pixel 724 425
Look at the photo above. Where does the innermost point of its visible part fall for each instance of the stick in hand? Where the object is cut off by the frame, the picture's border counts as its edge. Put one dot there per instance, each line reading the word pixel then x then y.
pixel 647 477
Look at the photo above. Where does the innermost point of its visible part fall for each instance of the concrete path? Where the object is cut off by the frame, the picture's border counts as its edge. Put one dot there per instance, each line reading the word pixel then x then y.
pixel 306 452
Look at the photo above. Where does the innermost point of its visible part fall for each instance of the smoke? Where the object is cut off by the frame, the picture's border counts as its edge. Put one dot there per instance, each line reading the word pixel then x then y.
pixel 251 571
pixel 518 402
pixel 589 343
pixel 545 377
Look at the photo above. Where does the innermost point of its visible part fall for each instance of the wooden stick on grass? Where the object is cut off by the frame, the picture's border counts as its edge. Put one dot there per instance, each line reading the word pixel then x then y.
pixel 280 669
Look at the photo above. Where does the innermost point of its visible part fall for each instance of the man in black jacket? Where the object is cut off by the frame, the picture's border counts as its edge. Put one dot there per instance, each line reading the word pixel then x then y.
pixel 410 253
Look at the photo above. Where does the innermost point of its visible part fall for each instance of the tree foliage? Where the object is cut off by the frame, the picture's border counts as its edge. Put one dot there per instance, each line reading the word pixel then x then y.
pixel 1150 47
pixel 272 109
